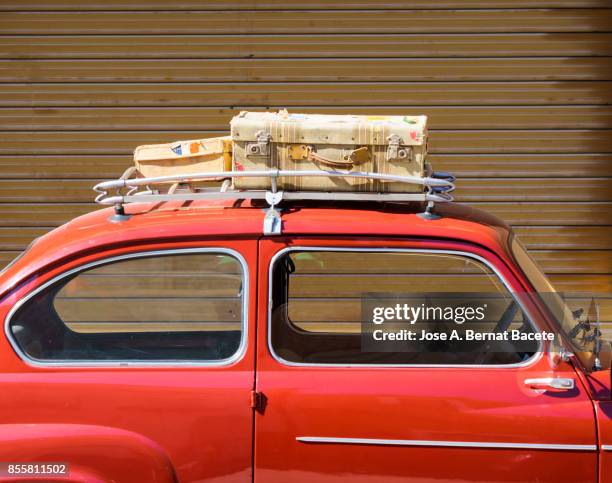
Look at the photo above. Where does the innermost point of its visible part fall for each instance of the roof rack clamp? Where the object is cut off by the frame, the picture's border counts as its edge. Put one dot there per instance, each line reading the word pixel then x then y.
pixel 120 214
pixel 272 224
pixel 428 214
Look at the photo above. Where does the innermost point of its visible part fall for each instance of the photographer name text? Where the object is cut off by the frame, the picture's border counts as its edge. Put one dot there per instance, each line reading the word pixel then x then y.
pixel 467 335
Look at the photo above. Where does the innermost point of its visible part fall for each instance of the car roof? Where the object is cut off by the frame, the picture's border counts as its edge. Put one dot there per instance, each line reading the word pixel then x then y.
pixel 231 218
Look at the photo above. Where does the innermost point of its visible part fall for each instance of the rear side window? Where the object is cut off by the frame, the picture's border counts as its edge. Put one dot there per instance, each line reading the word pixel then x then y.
pixel 169 306
pixel 323 303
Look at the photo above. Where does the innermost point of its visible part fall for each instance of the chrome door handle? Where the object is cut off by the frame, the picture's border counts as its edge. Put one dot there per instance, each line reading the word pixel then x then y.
pixel 563 383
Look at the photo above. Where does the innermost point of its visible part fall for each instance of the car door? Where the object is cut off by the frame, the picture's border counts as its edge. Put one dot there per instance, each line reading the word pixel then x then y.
pixel 135 364
pixel 334 411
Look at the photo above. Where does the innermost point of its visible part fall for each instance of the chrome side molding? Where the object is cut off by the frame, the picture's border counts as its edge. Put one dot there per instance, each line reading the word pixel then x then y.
pixel 446 444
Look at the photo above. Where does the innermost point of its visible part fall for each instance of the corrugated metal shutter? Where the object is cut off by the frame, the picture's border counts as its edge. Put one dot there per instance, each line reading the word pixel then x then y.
pixel 518 93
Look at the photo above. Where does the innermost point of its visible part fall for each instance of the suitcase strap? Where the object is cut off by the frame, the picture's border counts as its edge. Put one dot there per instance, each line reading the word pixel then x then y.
pixel 356 156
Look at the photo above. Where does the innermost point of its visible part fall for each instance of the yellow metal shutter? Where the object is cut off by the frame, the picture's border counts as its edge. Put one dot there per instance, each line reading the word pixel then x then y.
pixel 518 92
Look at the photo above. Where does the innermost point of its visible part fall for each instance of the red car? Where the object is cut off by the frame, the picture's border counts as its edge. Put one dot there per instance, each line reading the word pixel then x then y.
pixel 183 341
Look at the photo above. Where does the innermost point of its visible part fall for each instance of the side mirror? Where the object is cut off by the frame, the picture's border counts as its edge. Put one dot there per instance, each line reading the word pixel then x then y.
pixel 597 355
pixel 602 349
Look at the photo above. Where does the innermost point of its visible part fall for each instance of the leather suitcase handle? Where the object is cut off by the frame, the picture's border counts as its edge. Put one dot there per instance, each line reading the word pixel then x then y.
pixel 358 155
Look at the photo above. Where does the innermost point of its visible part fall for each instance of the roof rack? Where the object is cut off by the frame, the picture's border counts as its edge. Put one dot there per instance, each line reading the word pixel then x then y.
pixel 130 189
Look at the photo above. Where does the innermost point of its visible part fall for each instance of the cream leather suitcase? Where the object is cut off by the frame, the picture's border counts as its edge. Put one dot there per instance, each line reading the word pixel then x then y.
pixel 381 144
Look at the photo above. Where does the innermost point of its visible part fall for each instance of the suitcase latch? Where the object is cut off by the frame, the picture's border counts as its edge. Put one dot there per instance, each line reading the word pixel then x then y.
pixel 262 145
pixel 395 150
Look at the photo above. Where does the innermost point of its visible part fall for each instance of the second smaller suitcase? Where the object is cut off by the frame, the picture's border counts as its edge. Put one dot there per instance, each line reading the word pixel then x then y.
pixel 184 157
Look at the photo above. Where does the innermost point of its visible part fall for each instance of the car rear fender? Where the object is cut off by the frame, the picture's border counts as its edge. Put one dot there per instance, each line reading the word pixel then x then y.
pixel 92 453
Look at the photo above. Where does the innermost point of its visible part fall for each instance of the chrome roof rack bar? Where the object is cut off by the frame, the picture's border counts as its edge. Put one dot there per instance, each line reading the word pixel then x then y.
pixel 261 195
pixel 129 189
pixel 125 182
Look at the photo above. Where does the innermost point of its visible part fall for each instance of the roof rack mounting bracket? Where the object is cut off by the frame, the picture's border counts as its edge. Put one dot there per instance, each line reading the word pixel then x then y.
pixel 428 214
pixel 273 224
pixel 119 214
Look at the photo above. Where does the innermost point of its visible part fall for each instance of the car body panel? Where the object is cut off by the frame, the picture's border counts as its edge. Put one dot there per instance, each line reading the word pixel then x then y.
pixel 191 415
pixel 200 419
pixel 604 429
pixel 127 456
pixel 410 405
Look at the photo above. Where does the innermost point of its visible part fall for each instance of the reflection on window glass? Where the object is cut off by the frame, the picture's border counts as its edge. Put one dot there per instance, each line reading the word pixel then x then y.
pixel 319 297
pixel 167 307
pixel 584 318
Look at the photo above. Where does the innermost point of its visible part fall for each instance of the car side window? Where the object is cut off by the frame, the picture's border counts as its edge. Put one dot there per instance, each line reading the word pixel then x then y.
pixel 183 305
pixel 321 300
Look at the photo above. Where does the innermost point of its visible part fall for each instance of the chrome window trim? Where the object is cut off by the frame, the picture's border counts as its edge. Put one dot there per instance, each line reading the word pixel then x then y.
pixel 529 362
pixel 446 444
pixel 128 362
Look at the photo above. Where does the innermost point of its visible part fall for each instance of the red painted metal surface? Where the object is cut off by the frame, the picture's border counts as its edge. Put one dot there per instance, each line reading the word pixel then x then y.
pixel 192 422
pixel 434 404
pixel 196 423
pixel 128 456
pixel 604 429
